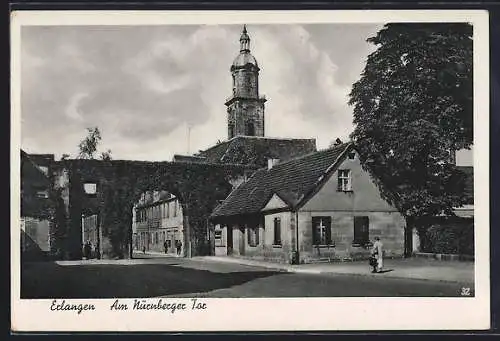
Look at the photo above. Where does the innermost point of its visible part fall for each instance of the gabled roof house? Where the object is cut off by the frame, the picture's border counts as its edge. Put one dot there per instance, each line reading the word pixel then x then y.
pixel 320 206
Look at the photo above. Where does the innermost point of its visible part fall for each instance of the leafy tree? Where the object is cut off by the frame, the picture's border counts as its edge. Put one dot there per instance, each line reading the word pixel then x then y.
pixel 106 156
pixel 89 145
pixel 412 108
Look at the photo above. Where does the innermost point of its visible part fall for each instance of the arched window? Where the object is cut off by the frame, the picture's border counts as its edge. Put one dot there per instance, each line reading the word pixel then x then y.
pixel 231 130
pixel 250 129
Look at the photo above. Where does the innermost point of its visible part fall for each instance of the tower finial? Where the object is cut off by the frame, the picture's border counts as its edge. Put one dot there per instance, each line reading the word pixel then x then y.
pixel 244 40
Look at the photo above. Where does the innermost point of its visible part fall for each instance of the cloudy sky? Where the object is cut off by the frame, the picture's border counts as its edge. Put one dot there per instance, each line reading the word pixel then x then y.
pixel 143 86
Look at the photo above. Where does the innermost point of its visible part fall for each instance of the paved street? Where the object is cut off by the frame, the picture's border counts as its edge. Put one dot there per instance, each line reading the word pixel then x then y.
pixel 178 277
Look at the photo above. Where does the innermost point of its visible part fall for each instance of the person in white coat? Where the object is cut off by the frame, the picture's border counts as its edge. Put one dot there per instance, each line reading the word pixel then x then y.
pixel 377 252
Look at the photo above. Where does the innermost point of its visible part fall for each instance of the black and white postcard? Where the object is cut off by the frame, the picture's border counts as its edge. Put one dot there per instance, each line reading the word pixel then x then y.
pixel 259 170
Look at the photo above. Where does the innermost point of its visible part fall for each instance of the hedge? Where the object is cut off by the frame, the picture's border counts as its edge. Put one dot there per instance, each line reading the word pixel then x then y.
pixel 448 236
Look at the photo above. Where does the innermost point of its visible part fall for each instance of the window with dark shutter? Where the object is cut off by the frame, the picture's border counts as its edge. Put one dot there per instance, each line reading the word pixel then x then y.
pixel 361 230
pixel 277 231
pixel 321 230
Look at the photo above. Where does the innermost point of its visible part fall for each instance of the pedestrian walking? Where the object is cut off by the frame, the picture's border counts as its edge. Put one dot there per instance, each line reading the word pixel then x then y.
pixel 179 247
pixel 378 254
pixel 89 247
pixel 165 246
pixel 97 253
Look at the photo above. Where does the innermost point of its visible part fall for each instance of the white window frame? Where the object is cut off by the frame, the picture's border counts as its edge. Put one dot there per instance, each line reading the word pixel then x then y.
pixel 344 176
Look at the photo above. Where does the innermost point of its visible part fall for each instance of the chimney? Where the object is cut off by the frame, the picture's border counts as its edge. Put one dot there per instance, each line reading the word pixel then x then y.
pixel 272 162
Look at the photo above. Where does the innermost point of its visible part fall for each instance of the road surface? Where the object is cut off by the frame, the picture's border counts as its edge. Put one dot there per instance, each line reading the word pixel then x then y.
pixel 179 277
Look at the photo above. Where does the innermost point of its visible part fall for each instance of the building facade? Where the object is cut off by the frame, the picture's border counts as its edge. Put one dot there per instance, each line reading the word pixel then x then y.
pixel 322 206
pixel 157 222
pixel 37 205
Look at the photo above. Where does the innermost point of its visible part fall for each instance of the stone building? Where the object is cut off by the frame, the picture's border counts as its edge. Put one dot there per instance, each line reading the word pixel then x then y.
pixel 36 205
pixel 157 218
pixel 321 206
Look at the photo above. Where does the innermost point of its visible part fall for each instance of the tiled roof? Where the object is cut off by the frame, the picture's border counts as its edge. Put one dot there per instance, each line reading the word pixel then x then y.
pixel 291 181
pixel 469 183
pixel 254 150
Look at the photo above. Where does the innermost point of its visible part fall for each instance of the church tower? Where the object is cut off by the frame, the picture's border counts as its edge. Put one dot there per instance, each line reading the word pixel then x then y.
pixel 245 107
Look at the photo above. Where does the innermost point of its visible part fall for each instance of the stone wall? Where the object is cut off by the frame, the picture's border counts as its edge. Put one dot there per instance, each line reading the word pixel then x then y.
pixel 389 226
pixel 120 184
pixel 265 249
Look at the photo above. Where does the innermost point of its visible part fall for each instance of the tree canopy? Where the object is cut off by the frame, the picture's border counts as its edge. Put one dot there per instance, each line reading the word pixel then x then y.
pixel 412 110
pixel 88 146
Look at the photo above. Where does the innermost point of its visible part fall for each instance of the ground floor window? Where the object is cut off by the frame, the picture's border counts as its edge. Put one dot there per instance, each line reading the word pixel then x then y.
pixel 253 235
pixel 277 231
pixel 322 232
pixel 361 230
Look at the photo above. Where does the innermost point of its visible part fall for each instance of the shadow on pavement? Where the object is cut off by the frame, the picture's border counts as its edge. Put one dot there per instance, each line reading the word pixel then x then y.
pixel 50 280
pixel 384 271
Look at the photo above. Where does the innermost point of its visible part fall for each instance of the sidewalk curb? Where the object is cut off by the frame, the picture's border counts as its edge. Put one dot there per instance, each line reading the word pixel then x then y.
pixel 158 254
pixel 290 269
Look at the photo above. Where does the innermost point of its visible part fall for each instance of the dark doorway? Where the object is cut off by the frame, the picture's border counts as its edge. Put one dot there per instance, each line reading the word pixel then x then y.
pixel 229 240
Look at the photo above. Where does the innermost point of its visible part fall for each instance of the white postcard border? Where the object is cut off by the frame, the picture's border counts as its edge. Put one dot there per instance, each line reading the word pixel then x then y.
pixel 225 314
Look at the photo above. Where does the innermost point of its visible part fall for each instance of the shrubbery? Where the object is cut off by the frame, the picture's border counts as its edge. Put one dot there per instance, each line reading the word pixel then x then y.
pixel 449 237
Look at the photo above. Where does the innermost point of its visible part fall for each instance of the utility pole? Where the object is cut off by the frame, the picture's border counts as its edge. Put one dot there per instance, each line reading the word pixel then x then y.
pixel 188 138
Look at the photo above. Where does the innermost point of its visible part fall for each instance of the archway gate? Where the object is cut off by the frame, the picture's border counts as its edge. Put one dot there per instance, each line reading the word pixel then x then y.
pixel 118 185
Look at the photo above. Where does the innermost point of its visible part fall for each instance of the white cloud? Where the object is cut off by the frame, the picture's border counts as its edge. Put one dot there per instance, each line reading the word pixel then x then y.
pixel 73 107
pixel 143 85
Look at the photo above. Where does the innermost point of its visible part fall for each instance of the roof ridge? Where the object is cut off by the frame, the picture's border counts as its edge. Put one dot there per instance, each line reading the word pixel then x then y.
pixel 344 145
pixel 293 181
pixel 273 138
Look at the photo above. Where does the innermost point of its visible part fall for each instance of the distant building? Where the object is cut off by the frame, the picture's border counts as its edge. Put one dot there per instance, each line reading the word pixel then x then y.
pixel 157 220
pixel 321 206
pixel 37 206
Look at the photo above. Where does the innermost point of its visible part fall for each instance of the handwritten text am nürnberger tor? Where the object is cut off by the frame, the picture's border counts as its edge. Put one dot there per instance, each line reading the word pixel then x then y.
pixel 138 305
